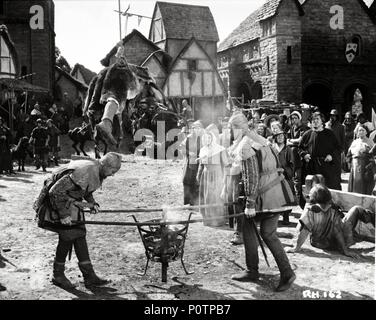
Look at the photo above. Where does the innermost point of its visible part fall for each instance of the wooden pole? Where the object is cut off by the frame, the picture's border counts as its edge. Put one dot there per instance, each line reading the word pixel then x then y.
pixel 119 19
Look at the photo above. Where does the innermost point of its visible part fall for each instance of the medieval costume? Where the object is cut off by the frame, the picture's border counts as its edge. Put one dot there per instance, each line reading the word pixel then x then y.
pixel 294 136
pixel 110 90
pixel 5 143
pixel 285 157
pixel 318 147
pixel 326 224
pixel 232 192
pixel 191 147
pixel 53 144
pixel 40 139
pixel 212 160
pixel 361 178
pixel 60 206
pixel 267 192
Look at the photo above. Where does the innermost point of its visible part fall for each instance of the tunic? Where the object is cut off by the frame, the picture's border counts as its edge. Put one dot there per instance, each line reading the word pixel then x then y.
pixel 265 186
pixel 40 136
pixel 74 182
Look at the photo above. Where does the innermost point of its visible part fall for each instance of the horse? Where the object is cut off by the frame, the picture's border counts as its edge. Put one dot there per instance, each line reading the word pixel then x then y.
pixel 20 151
pixel 80 135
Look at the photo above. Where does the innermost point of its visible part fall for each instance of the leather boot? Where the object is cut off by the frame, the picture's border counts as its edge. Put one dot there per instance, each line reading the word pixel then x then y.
pixel 90 278
pixel 59 278
pixel 104 128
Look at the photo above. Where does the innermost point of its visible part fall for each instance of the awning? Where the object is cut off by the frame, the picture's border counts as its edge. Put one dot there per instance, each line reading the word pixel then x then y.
pixel 21 85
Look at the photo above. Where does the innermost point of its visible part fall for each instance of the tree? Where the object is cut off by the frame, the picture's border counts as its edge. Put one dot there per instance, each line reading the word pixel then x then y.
pixel 61 62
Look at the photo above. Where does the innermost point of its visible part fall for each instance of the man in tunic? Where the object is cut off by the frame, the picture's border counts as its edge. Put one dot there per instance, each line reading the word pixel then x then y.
pixel 294 135
pixel 54 141
pixel 190 148
pixel 267 192
pixel 60 207
pixel 40 140
pixel 5 154
pixel 328 227
pixel 318 148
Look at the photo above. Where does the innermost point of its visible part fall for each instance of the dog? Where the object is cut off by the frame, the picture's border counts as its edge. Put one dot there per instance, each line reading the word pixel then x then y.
pixel 20 152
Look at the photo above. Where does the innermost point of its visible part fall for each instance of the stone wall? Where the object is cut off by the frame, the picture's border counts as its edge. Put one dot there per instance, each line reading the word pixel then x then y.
pixel 35 48
pixel 323 53
pixel 289 87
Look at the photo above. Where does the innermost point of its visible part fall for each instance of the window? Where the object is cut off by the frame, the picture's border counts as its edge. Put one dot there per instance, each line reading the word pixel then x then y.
pixel 289 54
pixel 7 69
pixel 23 71
pixel 268 63
pixel 192 65
pixel 267 27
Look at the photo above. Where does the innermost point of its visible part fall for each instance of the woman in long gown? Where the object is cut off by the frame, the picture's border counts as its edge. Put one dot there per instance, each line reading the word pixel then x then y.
pixel 212 160
pixel 361 177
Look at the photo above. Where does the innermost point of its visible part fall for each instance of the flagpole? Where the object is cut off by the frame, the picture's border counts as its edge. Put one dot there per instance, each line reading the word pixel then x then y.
pixel 119 18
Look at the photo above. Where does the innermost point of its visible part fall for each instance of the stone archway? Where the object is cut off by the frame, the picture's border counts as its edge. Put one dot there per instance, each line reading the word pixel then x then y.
pixel 256 91
pixel 250 92
pixel 320 95
pixel 244 90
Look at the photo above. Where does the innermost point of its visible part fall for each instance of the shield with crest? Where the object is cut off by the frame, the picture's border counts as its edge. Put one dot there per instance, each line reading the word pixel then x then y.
pixel 351 49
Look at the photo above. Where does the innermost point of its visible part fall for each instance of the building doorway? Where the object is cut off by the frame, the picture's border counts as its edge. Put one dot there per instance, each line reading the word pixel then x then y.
pixel 320 96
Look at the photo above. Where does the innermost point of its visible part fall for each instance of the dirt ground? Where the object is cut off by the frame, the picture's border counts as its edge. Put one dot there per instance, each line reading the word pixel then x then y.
pixel 118 254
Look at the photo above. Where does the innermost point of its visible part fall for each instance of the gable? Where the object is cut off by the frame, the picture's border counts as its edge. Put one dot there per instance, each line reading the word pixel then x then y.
pixel 193 74
pixel 183 21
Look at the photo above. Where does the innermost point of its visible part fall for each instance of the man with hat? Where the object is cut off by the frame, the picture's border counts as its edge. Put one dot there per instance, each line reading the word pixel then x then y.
pixel 40 139
pixel 337 128
pixel 190 148
pixel 294 136
pixel 339 131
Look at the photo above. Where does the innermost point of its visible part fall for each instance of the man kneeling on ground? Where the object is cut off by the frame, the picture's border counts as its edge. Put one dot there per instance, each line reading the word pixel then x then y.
pixel 329 228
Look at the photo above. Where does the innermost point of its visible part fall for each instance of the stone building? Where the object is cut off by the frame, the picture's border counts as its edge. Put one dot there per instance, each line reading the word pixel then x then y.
pixel 66 83
pixel 295 51
pixel 25 50
pixel 181 55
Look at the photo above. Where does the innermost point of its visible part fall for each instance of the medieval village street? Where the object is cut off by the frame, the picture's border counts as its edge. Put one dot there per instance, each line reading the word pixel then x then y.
pixel 118 253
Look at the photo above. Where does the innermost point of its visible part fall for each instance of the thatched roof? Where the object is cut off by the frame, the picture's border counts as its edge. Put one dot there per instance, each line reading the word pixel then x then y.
pixel 78 84
pixel 182 21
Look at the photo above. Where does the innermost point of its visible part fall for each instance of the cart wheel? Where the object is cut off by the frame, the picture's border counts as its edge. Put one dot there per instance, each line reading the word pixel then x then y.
pixel 164 271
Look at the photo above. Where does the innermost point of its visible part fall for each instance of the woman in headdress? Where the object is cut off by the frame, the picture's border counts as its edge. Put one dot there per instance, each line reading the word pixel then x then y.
pixel 361 163
pixel 212 159
pixel 267 193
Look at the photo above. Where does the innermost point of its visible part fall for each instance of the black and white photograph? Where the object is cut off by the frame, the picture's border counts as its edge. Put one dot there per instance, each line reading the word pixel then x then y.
pixel 194 151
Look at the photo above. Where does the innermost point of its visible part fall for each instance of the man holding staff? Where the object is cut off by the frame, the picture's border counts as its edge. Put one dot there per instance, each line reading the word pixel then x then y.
pixel 266 192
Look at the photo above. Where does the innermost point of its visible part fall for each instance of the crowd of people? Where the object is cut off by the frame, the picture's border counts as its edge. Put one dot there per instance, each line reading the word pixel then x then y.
pixel 264 161
pixel 43 126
